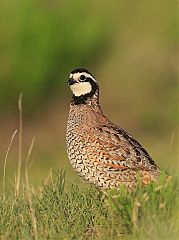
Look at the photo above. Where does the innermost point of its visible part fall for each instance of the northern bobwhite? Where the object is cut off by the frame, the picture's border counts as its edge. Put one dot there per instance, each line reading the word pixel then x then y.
pixel 101 152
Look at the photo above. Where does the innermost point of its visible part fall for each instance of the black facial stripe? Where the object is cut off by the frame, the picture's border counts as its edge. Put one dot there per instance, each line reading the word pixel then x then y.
pixel 88 79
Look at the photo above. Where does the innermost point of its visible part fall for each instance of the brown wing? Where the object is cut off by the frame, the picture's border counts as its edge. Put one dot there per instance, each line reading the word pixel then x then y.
pixel 119 151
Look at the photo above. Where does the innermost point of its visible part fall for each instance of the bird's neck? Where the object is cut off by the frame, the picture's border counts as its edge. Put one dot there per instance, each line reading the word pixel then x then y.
pixel 88 112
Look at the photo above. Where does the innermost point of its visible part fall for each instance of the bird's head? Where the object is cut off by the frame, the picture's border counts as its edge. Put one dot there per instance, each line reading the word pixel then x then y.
pixel 83 85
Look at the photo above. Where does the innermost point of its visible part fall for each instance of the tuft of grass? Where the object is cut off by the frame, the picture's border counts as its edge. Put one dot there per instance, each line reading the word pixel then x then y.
pixel 149 212
pixel 83 212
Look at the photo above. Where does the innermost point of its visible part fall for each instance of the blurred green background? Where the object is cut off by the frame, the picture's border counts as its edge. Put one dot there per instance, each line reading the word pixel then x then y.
pixel 130 46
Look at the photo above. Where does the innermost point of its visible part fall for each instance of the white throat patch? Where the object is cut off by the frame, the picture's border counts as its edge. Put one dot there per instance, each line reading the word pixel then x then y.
pixel 81 88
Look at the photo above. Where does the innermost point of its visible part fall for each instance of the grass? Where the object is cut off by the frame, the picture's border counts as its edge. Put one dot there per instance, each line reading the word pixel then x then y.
pixel 83 212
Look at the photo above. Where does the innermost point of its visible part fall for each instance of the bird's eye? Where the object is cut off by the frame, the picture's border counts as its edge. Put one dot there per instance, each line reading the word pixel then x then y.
pixel 82 77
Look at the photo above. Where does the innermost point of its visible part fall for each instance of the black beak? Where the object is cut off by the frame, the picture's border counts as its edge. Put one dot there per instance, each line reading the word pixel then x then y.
pixel 71 81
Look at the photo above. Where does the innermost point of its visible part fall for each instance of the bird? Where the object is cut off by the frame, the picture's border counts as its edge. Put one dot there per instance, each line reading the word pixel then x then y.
pixel 101 152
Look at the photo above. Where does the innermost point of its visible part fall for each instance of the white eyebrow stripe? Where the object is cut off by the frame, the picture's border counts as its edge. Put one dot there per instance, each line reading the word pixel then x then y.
pixel 76 76
pixel 89 75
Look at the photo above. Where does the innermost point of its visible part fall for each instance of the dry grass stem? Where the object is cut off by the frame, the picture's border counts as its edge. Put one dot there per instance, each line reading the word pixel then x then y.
pixel 20 147
pixel 5 163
